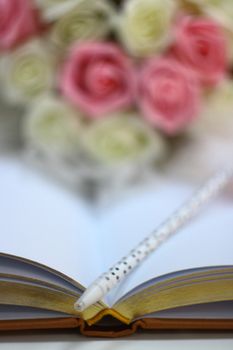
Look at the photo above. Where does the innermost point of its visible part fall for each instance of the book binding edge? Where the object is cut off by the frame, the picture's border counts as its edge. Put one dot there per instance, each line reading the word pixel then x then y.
pixel 149 324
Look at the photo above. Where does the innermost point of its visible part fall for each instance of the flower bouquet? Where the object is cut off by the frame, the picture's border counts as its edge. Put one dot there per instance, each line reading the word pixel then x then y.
pixel 107 90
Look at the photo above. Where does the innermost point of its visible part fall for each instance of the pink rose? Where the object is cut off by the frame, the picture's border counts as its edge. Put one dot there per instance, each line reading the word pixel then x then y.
pixel 98 78
pixel 18 21
pixel 200 43
pixel 168 94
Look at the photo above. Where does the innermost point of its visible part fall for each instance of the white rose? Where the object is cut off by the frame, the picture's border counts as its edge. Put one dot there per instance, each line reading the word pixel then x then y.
pixel 88 20
pixel 121 152
pixel 28 72
pixel 122 139
pixel 53 127
pixel 145 26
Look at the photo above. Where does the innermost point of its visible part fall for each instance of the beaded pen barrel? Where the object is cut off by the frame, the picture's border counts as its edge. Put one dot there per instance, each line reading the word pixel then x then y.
pixel 183 215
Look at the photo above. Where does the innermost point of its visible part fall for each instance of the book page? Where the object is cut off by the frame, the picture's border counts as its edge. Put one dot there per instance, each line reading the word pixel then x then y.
pixel 23 270
pixel 43 222
pixel 12 312
pixel 206 241
pixel 218 310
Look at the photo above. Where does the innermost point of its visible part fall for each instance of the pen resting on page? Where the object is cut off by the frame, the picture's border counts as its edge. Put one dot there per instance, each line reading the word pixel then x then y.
pixel 183 215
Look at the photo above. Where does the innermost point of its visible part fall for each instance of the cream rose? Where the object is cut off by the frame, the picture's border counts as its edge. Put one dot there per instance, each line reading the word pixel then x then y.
pixel 145 26
pixel 28 72
pixel 122 138
pixel 53 127
pixel 120 151
pixel 88 20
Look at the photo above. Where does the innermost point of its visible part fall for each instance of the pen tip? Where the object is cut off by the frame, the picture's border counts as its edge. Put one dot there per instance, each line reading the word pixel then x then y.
pixel 79 306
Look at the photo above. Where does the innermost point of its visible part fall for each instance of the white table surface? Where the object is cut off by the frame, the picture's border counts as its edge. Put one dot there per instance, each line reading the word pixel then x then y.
pixel 163 341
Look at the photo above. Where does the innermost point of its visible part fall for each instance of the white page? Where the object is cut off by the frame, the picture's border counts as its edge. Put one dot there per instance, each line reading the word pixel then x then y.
pixel 12 312
pixel 43 222
pixel 23 270
pixel 207 241
pixel 218 310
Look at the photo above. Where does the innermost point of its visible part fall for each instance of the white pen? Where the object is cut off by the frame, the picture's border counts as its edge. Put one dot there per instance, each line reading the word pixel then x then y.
pixel 184 214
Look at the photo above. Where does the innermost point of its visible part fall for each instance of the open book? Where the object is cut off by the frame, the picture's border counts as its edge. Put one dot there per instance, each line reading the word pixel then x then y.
pixel 53 245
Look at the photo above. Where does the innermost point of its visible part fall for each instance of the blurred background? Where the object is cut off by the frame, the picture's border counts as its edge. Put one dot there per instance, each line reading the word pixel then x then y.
pixel 103 96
